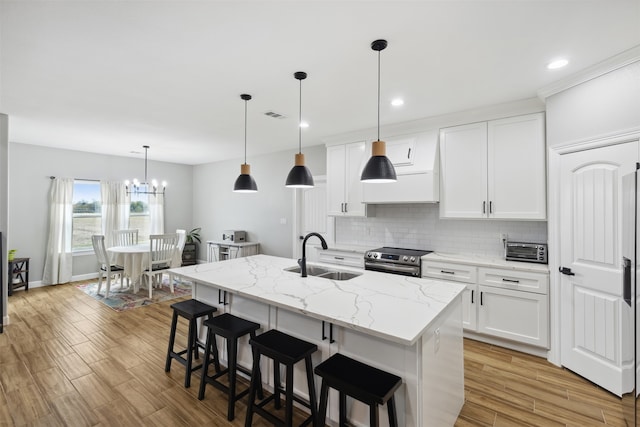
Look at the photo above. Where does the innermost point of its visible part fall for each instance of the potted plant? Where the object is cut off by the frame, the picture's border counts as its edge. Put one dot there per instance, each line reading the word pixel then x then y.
pixel 190 251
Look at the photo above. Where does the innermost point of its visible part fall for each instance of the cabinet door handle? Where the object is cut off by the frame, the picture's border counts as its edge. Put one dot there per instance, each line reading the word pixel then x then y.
pixel 331 340
pixel 490 206
pixel 510 280
pixel 481 298
pixel 472 291
pixel 324 337
pixel 409 153
pixel 345 207
pixel 340 258
pixel 447 272
pixel 484 207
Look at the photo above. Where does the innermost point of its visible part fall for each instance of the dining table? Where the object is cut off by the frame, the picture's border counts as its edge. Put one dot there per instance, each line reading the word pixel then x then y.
pixel 134 259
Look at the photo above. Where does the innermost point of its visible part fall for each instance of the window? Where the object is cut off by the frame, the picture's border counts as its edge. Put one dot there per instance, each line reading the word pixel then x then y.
pixel 139 215
pixel 87 219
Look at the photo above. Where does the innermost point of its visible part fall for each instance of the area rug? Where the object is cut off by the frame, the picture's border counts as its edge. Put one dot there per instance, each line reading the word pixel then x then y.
pixel 126 299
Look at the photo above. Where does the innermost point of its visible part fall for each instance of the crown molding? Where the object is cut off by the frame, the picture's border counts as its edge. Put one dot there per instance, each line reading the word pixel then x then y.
pixel 608 65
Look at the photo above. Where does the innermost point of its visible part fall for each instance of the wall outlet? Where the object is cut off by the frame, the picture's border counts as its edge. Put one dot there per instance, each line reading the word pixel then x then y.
pixel 503 237
pixel 283 221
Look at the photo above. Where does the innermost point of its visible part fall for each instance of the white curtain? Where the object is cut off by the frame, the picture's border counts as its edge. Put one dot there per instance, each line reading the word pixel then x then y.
pixel 116 205
pixel 156 213
pixel 59 257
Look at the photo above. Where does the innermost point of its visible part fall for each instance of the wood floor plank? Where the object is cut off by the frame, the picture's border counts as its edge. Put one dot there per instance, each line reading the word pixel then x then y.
pixel 69 360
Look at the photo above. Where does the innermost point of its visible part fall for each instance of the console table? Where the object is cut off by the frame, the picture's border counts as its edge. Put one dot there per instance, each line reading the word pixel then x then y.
pixel 18 274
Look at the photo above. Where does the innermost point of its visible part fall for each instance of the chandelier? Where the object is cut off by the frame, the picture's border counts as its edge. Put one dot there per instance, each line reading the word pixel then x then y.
pixel 137 187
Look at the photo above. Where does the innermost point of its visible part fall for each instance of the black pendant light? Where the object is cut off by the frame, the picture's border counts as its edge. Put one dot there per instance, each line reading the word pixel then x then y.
pixel 379 168
pixel 245 182
pixel 300 175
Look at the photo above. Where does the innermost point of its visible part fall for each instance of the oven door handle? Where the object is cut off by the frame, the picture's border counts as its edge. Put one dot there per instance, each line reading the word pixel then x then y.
pixel 391 267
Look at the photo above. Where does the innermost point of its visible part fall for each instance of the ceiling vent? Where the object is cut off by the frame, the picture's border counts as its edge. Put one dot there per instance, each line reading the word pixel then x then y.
pixel 275 115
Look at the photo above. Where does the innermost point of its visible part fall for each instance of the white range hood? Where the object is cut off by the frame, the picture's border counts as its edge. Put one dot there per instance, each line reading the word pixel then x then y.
pixel 416 159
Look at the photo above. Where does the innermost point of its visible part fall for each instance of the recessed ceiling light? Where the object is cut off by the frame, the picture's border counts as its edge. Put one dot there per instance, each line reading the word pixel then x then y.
pixel 397 102
pixel 559 63
pixel 304 125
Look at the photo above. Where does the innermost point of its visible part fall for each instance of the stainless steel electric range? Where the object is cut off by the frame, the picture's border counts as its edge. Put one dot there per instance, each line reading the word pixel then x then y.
pixel 395 260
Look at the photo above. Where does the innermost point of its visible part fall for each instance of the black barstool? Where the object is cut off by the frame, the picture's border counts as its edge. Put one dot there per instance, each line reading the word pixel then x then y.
pixel 287 350
pixel 232 328
pixel 191 310
pixel 360 381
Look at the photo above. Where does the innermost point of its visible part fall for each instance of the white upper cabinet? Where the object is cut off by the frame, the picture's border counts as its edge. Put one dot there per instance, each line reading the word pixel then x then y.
pixel 463 162
pixel 494 169
pixel 344 189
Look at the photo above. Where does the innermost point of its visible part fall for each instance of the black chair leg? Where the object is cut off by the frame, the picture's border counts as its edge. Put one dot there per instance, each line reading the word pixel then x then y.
pixel 343 410
pixel 205 365
pixel 255 379
pixel 172 339
pixel 324 397
pixel 391 408
pixel 276 385
pixel 260 390
pixel 289 396
pixel 190 340
pixel 373 415
pixel 312 390
pixel 232 348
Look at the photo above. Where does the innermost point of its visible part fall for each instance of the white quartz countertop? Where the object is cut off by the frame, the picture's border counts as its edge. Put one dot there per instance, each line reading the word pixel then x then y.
pixel 228 243
pixel 393 307
pixel 481 261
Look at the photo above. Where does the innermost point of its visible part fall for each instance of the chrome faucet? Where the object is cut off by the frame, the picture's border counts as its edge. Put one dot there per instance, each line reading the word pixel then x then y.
pixel 302 262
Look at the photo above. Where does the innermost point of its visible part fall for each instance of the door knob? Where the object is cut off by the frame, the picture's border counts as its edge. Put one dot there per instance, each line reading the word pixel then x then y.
pixel 567 271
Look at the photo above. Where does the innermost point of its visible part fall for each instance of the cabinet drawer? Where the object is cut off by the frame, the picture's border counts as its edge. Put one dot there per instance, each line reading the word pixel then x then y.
pixel 351 259
pixel 449 271
pixel 510 279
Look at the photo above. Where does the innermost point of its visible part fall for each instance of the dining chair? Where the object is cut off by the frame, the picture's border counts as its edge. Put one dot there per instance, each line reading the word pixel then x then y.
pixel 177 257
pixel 162 248
pixel 105 268
pixel 125 237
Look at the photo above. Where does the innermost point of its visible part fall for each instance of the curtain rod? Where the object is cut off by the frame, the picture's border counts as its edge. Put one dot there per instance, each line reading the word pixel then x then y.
pixel 78 179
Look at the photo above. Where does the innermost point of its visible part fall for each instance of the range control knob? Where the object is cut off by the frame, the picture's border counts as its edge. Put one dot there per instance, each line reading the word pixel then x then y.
pixel 413 259
pixel 375 255
pixel 406 258
pixel 369 255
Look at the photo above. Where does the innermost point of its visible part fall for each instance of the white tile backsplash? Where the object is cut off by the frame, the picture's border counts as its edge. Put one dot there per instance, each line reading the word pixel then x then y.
pixel 418 226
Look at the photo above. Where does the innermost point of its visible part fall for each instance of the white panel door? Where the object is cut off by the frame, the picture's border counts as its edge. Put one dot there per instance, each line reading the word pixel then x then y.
pixel 516 167
pixel 463 182
pixel 591 294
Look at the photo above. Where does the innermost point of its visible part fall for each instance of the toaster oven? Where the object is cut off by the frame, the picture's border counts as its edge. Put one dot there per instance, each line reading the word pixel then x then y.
pixel 528 252
pixel 234 236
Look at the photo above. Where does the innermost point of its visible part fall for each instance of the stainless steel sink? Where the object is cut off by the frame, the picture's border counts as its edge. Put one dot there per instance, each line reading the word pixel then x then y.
pixel 312 270
pixel 325 273
pixel 339 275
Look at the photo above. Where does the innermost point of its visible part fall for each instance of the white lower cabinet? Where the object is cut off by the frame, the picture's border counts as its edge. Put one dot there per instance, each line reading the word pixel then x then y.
pixel 515 315
pixel 498 302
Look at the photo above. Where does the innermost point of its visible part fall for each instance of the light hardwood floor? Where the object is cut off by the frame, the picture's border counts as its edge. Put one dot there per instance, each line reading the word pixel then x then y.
pixel 68 360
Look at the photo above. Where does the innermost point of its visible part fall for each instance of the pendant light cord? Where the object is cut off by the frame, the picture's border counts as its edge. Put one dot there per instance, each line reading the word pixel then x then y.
pixel 378 95
pixel 146 148
pixel 300 121
pixel 245 131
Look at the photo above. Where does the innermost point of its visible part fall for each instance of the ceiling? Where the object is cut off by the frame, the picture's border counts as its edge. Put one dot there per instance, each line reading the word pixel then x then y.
pixel 112 76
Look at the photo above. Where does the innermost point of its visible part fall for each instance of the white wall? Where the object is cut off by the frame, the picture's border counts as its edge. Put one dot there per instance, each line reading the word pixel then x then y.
pixel 604 106
pixel 29 171
pixel 418 226
pixel 217 208
pixel 4 207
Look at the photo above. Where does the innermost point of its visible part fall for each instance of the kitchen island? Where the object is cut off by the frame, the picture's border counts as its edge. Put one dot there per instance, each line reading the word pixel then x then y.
pixel 408 326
